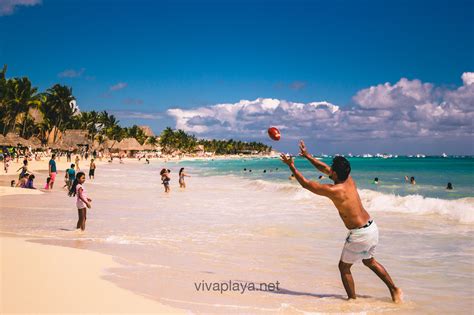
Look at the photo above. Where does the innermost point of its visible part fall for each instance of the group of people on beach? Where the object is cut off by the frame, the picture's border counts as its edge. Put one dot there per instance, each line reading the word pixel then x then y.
pixel 26 177
pixel 166 178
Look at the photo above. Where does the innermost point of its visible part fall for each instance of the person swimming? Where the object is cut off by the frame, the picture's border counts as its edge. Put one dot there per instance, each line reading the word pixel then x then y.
pixel 450 186
pixel 376 180
pixel 411 180
pixel 321 177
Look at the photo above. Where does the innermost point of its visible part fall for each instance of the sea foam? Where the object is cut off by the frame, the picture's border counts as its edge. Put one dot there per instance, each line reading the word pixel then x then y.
pixel 461 210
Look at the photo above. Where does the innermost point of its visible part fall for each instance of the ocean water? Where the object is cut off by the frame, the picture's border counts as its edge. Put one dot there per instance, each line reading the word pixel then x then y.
pixel 230 225
pixel 431 174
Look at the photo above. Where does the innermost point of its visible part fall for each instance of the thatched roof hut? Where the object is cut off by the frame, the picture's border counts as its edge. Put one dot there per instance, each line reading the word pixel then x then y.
pixel 34 142
pixel 129 144
pixel 151 147
pixel 73 138
pixel 14 139
pixel 2 139
pixel 147 130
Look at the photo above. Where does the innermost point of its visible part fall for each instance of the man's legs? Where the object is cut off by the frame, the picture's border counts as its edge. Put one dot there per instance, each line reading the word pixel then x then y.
pixel 347 279
pixel 380 271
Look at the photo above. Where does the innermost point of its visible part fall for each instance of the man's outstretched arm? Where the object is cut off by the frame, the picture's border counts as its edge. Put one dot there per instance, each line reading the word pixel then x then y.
pixel 321 166
pixel 314 187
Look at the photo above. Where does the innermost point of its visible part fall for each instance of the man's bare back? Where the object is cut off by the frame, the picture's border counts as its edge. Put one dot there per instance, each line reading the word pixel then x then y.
pixel 347 201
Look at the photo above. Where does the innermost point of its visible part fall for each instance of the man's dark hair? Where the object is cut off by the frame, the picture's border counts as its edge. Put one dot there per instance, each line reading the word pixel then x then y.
pixel 342 167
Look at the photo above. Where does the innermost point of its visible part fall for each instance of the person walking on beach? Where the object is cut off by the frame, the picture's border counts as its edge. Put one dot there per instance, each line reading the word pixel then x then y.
pixel 165 179
pixel 92 169
pixel 24 169
pixel 182 174
pixel 70 176
pixel 52 171
pixel 363 232
pixel 82 201
pixel 6 163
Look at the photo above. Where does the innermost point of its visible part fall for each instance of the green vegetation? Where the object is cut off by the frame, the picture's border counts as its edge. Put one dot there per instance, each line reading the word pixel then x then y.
pixel 54 111
pixel 173 141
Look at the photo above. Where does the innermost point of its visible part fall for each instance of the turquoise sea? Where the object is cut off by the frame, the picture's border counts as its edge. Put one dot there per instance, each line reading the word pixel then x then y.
pixel 431 173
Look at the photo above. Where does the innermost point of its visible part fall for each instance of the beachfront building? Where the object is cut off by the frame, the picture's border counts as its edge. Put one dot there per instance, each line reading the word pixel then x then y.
pixel 147 131
pixel 71 139
pixel 129 147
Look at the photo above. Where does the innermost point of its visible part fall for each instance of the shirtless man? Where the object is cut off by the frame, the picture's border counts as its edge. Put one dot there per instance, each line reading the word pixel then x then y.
pixel 363 232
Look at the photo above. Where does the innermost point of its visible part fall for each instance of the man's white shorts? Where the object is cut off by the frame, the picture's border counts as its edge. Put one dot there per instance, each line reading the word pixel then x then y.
pixel 360 244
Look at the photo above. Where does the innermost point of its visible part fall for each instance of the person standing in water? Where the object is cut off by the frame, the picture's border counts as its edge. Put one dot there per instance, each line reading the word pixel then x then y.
pixel 77 163
pixel 92 168
pixel 182 174
pixel 165 179
pixel 52 171
pixel 363 232
pixel 82 201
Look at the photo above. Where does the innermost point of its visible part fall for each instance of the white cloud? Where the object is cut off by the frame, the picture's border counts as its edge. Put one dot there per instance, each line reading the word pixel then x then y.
pixel 137 115
pixel 71 73
pixel 404 93
pixel 407 109
pixel 251 118
pixel 468 78
pixel 7 7
pixel 118 86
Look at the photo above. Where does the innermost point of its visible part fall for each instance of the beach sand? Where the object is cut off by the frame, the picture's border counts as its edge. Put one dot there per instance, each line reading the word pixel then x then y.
pixel 220 229
pixel 40 278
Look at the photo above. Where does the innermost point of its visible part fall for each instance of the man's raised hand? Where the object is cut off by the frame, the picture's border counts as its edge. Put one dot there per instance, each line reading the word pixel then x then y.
pixel 303 151
pixel 287 159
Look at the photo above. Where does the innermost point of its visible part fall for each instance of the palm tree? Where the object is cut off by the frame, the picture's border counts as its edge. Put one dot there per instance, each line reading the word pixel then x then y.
pixel 19 97
pixel 152 141
pixel 167 140
pixel 57 108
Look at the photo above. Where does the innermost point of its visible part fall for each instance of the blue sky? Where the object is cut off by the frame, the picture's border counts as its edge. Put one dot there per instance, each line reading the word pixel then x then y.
pixel 138 59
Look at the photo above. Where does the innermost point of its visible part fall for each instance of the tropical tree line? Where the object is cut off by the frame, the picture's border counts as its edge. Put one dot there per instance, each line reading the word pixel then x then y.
pixel 172 141
pixel 27 112
pixel 55 111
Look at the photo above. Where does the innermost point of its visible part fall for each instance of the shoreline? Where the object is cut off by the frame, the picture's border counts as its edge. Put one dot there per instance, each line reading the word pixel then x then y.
pixel 63 280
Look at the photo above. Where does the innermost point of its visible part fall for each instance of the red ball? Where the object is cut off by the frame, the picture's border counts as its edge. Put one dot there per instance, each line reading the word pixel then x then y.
pixel 274 133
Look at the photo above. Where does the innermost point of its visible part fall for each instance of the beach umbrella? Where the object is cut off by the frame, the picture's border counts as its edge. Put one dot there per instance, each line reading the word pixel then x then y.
pixel 2 140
